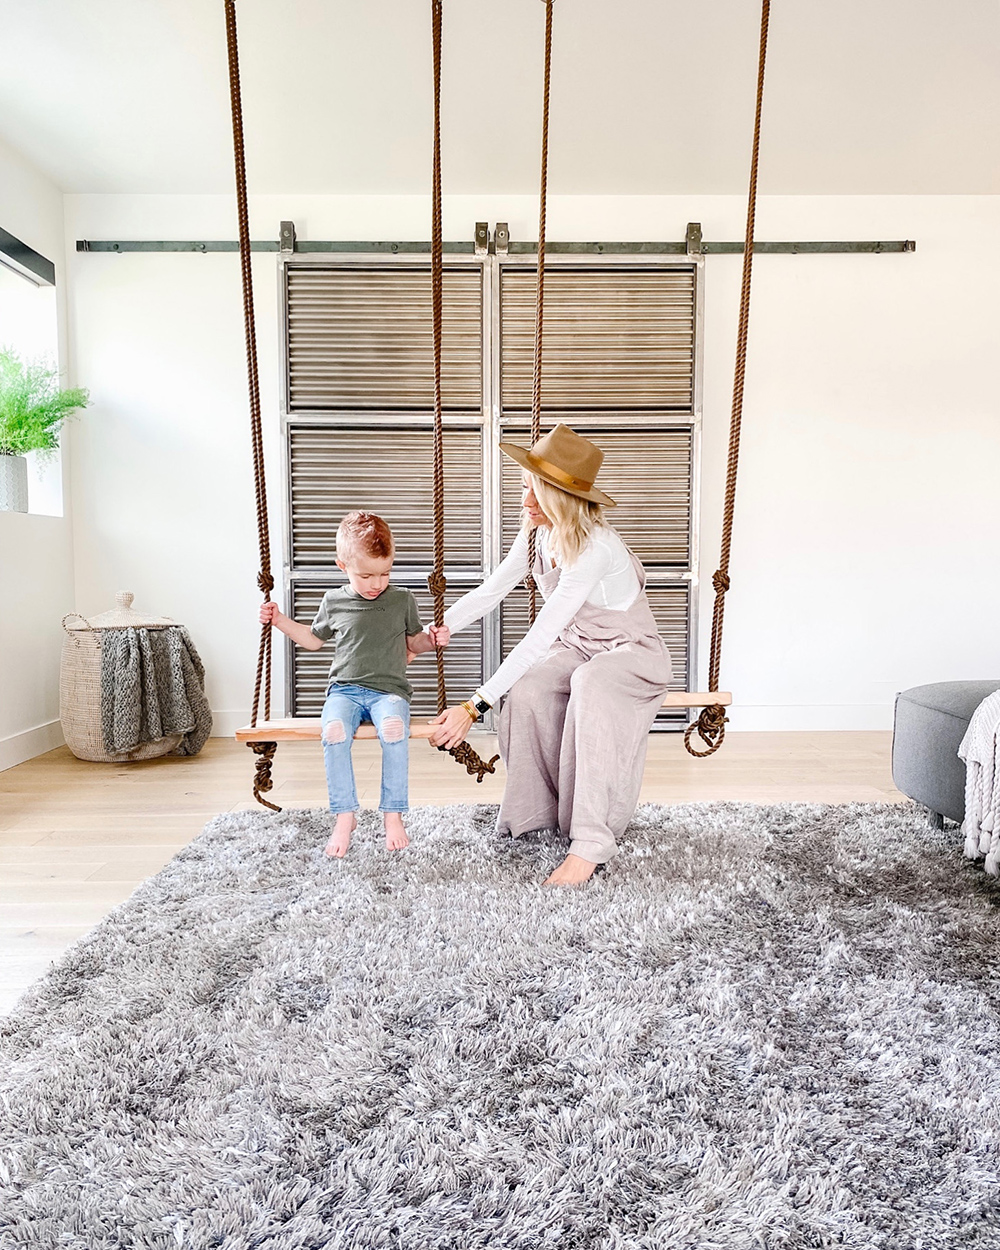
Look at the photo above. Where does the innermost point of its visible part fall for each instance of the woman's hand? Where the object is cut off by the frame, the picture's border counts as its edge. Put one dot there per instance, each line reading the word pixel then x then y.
pixel 268 611
pixel 440 635
pixel 453 726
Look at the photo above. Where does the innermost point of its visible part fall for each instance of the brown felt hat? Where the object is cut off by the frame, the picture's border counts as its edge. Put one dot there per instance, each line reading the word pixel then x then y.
pixel 565 459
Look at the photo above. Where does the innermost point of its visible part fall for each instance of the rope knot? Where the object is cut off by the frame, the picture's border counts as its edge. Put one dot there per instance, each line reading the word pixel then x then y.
pixel 720 581
pixel 437 584
pixel 711 729
pixel 263 781
pixel 475 765
pixel 265 582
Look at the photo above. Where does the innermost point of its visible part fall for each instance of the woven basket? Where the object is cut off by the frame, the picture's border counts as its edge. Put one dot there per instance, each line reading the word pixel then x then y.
pixel 80 683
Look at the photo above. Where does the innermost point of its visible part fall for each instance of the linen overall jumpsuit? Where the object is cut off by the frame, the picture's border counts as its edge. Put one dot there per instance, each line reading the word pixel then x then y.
pixel 574 728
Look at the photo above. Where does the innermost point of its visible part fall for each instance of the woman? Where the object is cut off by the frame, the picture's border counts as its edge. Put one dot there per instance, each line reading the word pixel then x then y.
pixel 584 684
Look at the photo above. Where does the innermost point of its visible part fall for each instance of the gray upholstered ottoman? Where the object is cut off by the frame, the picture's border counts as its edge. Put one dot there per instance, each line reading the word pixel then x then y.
pixel 930 724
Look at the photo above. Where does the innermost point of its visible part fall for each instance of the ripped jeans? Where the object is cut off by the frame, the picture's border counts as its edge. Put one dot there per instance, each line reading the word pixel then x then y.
pixel 345 708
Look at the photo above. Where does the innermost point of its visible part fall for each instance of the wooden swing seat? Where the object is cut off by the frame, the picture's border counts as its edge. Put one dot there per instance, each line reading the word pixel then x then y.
pixel 300 729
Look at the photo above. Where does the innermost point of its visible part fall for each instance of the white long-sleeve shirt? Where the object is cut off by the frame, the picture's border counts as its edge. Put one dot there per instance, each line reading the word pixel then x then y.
pixel 602 575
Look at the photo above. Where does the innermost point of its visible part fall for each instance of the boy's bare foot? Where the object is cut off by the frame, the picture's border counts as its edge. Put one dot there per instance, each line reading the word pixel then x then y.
pixel 572 871
pixel 340 838
pixel 395 834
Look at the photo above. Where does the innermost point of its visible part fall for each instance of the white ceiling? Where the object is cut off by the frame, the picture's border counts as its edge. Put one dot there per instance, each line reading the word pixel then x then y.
pixel 649 96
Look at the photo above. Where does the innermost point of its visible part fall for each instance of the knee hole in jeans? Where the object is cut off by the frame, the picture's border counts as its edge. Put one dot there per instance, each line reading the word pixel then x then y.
pixel 334 731
pixel 392 729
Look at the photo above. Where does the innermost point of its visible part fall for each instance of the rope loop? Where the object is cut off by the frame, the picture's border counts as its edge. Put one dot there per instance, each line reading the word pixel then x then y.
pixel 76 616
pixel 720 582
pixel 262 781
pixel 711 729
pixel 437 583
pixel 265 582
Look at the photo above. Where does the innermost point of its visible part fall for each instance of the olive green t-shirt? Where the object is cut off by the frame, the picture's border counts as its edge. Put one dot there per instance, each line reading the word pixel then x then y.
pixel 370 635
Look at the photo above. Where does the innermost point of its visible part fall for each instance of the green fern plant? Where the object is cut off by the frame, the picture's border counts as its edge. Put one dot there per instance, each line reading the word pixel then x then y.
pixel 33 406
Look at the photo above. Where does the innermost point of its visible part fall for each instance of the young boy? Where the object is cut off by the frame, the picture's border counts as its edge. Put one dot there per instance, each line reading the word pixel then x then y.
pixel 376 627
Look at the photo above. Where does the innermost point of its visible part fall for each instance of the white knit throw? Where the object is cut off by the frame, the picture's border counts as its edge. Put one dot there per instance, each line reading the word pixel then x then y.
pixel 981 751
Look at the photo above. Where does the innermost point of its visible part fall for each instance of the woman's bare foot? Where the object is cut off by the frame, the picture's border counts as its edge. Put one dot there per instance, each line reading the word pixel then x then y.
pixel 395 834
pixel 340 838
pixel 572 871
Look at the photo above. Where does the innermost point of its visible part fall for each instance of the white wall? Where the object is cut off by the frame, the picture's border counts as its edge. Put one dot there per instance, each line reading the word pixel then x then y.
pixel 867 515
pixel 36 553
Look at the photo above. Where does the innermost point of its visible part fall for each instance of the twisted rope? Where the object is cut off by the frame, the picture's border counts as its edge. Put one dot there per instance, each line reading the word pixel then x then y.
pixel 437 583
pixel 536 382
pixel 265 580
pixel 711 724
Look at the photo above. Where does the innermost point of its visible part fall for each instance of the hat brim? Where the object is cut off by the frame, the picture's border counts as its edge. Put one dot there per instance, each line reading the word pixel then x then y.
pixel 525 459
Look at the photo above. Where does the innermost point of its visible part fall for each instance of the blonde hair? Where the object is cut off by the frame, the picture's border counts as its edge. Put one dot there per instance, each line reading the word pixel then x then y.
pixel 364 534
pixel 573 520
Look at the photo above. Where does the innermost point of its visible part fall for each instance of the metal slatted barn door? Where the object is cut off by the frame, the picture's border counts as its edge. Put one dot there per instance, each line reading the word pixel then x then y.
pixel 359 434
pixel 360 337
pixel 619 366
pixel 621 350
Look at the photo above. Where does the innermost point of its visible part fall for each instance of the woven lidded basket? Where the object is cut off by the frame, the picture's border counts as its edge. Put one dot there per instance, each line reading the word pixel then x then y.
pixel 80 683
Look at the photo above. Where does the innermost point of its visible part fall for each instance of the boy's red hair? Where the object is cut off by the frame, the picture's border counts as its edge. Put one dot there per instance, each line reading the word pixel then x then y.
pixel 364 534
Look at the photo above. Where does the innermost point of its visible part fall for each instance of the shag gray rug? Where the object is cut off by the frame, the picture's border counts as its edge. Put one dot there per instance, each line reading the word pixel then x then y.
pixel 759 1027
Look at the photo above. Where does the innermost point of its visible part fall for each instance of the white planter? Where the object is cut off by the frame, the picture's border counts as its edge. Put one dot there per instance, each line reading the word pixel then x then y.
pixel 13 484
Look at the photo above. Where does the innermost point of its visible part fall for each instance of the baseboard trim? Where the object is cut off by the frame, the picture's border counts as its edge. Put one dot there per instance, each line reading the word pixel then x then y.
pixel 24 746
pixel 809 717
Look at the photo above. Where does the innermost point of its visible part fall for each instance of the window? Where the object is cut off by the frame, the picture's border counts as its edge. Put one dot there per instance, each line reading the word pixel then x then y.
pixel 29 327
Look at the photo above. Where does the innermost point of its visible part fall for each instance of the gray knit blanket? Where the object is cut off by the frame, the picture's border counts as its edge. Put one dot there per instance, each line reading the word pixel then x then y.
pixel 152 685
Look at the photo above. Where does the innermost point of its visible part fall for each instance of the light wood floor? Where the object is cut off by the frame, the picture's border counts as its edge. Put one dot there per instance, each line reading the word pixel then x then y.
pixel 77 838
